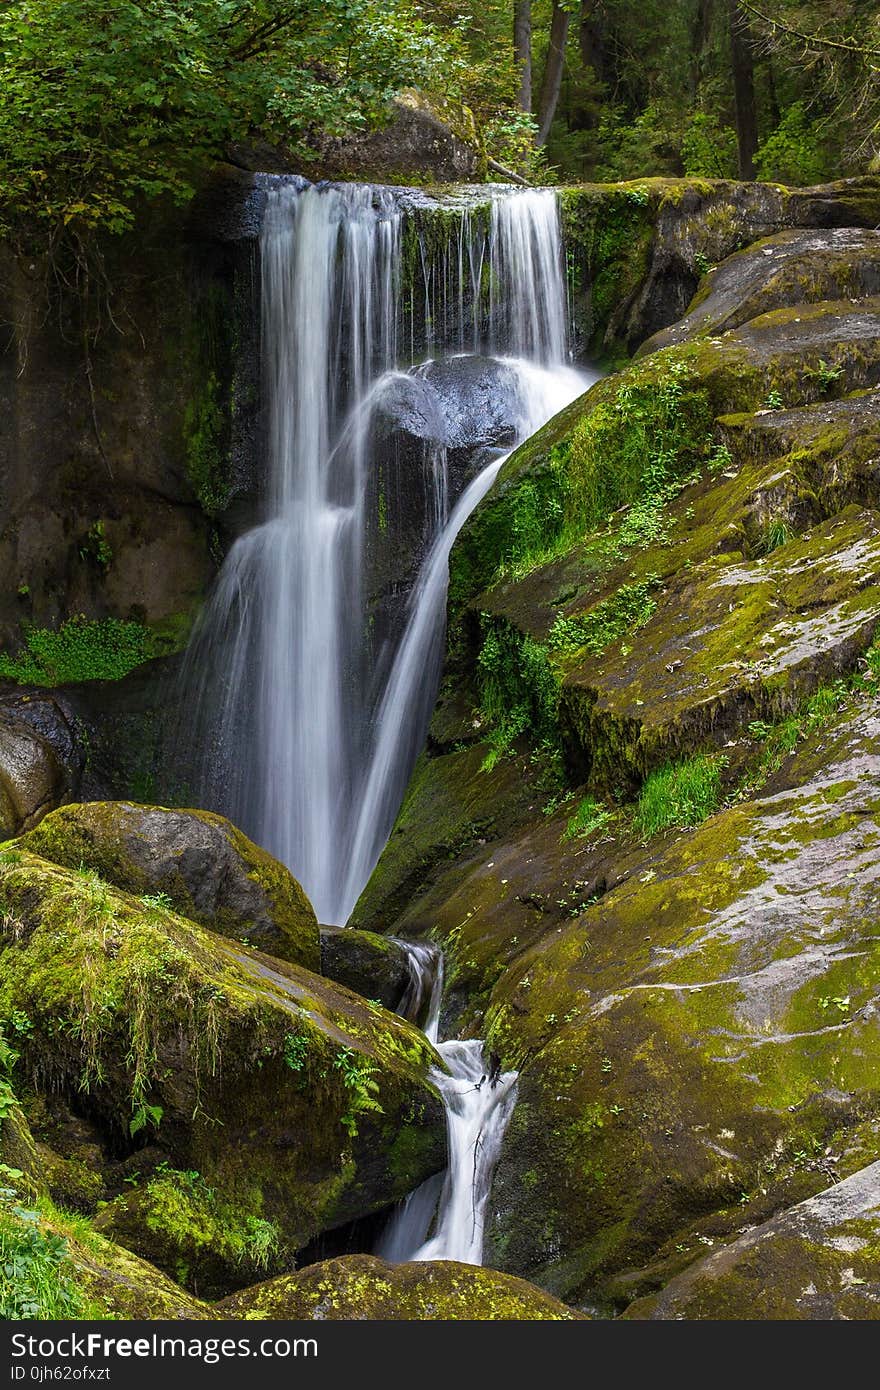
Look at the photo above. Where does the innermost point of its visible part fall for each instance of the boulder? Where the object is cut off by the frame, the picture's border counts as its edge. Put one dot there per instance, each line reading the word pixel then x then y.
pixel 778 272
pixel 817 1260
pixel 422 142
pixel 700 1035
pixel 372 965
pixel 640 248
pixel 282 1105
pixel 206 869
pixel 361 1287
pixel 41 759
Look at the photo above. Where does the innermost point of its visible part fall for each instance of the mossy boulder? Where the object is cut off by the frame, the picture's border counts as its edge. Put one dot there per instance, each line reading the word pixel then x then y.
pixel 366 962
pixel 272 1094
pixel 639 248
pixel 18 1151
pixel 796 267
pixel 207 869
pixel 701 1035
pixel 817 1260
pixel 359 1287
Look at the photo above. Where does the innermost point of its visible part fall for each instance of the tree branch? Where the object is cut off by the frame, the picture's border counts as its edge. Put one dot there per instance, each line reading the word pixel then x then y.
pixel 818 39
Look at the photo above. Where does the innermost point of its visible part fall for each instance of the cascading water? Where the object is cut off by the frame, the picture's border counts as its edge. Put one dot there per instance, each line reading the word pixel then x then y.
pixel 313 735
pixel 443 1219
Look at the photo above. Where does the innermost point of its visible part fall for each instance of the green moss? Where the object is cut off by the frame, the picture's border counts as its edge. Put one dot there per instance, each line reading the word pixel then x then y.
pixel 519 689
pixel 207 452
pixel 82 650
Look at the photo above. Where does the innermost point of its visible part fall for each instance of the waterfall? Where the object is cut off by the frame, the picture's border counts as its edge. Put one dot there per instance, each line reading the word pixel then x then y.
pixel 443 1219
pixel 311 731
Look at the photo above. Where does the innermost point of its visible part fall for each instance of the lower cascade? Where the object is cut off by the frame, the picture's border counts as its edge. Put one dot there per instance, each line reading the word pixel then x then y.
pixel 445 1217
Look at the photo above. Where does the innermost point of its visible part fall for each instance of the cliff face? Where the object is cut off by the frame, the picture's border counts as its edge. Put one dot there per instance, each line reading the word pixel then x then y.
pixel 121 449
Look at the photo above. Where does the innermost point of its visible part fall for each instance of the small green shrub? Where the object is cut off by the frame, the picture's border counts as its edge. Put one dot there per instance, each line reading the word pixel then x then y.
pixel 590 816
pixel 81 650
pixel 680 794
pixel 625 611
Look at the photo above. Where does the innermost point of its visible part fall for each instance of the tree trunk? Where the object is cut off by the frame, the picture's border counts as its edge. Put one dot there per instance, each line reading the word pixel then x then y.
pixel 522 50
pixel 552 80
pixel 743 90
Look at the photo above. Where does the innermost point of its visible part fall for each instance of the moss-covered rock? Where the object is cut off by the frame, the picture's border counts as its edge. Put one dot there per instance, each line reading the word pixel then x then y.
pixel 820 1259
pixel 451 805
pixel 638 249
pixel 770 631
pixel 700 1035
pixel 206 868
pixel 297 1105
pixel 796 267
pixel 358 1287
pixel 370 964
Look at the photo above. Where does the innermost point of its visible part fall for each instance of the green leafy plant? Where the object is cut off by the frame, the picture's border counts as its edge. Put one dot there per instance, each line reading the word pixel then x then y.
pixel 773 401
pixel 81 649
pixel 680 794
pixel 589 817
pixel 361 1088
pixel 824 375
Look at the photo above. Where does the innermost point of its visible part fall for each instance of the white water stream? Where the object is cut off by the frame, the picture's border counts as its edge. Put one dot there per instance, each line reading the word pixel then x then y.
pixel 312 736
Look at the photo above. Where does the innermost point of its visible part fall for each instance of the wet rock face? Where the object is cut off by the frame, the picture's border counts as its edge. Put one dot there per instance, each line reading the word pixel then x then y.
pixel 207 869
pixel 41 760
pixel 817 1260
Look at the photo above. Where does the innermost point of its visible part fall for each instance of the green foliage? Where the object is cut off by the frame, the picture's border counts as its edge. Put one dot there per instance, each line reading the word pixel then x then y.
pixel 625 611
pixel 589 817
pixel 143 1115
pixel 509 137
pixel 793 152
pixel 81 650
pixel 36 1276
pixel 296 1053
pixel 679 794
pixel 519 689
pixel 774 401
pixel 825 375
pixel 651 431
pixel 107 104
pixel 8 1059
pixel 709 149
pixel 96 548
pixel 360 1086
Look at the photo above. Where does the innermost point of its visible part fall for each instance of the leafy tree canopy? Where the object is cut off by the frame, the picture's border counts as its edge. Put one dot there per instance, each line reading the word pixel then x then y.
pixel 106 102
